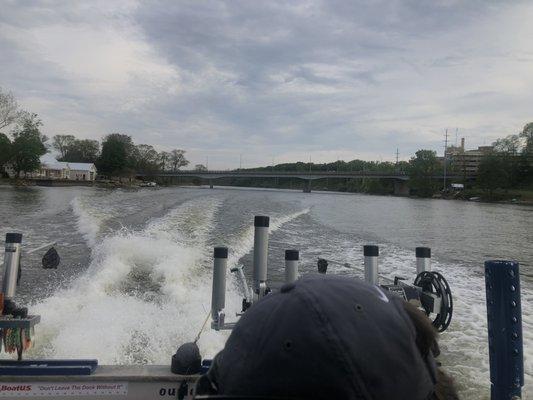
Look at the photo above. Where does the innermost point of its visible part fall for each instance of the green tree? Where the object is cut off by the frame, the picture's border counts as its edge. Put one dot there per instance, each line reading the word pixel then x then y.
pixel 509 145
pixel 146 158
pixel 163 161
pixel 117 154
pixel 9 109
pixel 422 168
pixel 527 134
pixel 28 145
pixel 62 143
pixel 507 150
pixel 5 148
pixel 177 159
pixel 493 174
pixel 200 167
pixel 82 151
pixel 524 170
pixel 526 159
pixel 5 152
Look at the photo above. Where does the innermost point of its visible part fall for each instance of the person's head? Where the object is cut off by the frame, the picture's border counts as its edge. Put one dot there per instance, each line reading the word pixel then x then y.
pixel 329 337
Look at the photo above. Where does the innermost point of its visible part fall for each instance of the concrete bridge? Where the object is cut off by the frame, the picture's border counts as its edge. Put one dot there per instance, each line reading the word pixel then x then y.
pixel 400 178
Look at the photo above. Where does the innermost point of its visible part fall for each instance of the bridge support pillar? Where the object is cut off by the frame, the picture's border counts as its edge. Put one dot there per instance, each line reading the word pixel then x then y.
pixel 401 188
pixel 210 183
pixel 307 186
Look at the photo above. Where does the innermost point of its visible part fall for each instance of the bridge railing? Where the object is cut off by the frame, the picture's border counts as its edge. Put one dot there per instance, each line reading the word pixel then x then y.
pixel 296 174
pixel 325 173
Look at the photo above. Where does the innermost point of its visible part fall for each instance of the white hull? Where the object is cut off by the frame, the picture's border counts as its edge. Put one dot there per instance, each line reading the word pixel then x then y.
pixel 106 383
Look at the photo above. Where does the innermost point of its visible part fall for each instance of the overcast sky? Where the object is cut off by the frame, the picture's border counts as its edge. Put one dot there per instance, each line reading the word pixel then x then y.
pixel 273 80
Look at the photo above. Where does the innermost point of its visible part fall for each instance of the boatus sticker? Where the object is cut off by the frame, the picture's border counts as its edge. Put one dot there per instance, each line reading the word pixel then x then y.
pixel 58 389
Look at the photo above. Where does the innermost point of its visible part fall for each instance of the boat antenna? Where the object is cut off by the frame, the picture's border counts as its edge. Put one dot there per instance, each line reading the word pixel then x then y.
pixel 203 326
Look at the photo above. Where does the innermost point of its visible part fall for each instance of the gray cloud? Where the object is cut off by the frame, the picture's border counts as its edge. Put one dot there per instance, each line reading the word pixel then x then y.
pixel 273 79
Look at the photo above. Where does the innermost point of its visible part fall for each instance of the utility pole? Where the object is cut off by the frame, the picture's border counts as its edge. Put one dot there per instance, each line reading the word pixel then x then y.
pixel 207 162
pixel 445 160
pixel 309 163
pixel 397 158
pixel 240 161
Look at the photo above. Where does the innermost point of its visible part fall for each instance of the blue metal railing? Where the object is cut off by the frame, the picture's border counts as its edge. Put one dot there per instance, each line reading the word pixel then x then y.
pixel 504 323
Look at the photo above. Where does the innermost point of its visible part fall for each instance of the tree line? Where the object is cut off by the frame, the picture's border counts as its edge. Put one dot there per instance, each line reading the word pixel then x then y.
pixel 509 165
pixel 364 185
pixel 117 155
pixel 421 170
pixel 25 144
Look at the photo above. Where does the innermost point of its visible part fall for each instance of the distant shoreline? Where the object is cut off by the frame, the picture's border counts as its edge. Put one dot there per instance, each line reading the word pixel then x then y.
pixel 117 185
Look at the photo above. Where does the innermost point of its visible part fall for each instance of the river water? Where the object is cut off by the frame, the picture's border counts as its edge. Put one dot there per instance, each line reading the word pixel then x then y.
pixel 135 278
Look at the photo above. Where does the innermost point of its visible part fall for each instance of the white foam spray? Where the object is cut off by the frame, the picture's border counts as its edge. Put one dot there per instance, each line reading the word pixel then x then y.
pixel 142 295
pixel 145 292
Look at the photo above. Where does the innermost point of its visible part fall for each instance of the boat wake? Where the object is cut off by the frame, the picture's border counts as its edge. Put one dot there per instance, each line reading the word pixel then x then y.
pixel 145 292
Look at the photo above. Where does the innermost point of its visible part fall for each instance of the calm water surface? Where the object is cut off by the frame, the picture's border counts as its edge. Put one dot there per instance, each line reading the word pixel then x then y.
pixel 135 276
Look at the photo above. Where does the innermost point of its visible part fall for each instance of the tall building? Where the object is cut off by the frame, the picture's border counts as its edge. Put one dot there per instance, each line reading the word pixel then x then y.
pixel 466 162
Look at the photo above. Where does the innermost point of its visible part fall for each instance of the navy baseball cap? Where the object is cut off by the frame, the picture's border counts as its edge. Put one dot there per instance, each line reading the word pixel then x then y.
pixel 323 337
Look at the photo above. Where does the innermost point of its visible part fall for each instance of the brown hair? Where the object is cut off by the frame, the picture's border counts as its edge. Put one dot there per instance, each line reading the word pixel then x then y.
pixel 426 341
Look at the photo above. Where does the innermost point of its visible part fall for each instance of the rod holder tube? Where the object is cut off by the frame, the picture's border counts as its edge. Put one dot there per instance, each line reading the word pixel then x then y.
pixel 291 265
pixel 11 264
pixel 218 297
pixel 371 254
pixel 261 224
pixel 504 325
pixel 423 259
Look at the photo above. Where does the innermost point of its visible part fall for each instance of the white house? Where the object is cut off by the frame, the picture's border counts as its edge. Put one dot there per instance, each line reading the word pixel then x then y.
pixel 52 169
pixel 81 171
pixel 67 170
